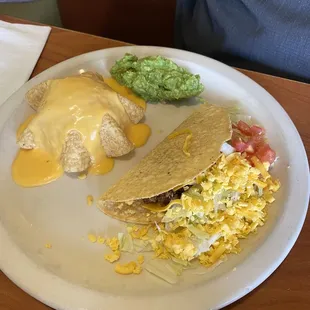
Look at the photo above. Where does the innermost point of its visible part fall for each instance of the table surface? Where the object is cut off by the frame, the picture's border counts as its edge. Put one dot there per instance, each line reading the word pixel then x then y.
pixel 289 286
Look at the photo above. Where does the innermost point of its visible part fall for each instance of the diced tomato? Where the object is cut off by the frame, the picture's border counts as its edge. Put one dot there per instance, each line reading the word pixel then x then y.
pixel 249 149
pixel 249 158
pixel 239 144
pixel 250 140
pixel 256 141
pixel 244 128
pixel 265 153
pixel 257 131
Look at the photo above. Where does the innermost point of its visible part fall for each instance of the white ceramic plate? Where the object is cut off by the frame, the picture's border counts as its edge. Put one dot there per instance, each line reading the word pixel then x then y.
pixel 73 274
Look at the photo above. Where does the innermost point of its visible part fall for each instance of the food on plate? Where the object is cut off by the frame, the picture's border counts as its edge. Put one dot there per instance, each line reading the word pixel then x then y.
pixel 140 259
pixel 113 244
pixel 146 189
pixel 81 124
pixel 89 200
pixel 194 209
pixel 252 141
pixel 156 78
pixel 48 246
pixel 125 92
pixel 100 240
pixel 113 257
pixel 129 268
pixel 92 238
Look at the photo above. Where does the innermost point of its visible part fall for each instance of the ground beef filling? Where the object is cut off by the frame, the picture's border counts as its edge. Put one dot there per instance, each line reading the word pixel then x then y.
pixel 164 198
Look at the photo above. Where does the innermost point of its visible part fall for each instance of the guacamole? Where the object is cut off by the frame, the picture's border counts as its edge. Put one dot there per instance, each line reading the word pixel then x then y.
pixel 156 78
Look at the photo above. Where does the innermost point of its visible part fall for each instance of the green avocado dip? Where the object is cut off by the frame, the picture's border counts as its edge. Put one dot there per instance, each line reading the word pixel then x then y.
pixel 156 78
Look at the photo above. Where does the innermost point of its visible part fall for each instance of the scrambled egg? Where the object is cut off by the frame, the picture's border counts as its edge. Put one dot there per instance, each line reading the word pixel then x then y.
pixel 92 238
pixel 48 246
pixel 113 257
pixel 129 268
pixel 113 243
pixel 100 239
pixel 90 200
pixel 227 203
pixel 140 259
pixel 138 232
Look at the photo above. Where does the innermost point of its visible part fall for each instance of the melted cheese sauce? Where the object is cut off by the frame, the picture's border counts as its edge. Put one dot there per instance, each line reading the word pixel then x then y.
pixel 138 134
pixel 24 125
pixel 76 103
pixel 155 207
pixel 102 165
pixel 35 167
pixel 73 103
pixel 125 92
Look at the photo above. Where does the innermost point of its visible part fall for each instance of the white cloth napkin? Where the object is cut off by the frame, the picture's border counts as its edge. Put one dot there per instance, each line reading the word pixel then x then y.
pixel 20 49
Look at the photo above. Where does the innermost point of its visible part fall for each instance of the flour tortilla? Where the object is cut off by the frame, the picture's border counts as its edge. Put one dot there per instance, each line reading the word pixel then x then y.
pixel 166 167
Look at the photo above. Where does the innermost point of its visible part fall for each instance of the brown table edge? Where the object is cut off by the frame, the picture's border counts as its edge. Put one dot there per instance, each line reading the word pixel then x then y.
pixel 22 21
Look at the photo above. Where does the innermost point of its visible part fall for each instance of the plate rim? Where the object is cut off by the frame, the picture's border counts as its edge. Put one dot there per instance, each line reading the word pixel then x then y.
pixel 49 298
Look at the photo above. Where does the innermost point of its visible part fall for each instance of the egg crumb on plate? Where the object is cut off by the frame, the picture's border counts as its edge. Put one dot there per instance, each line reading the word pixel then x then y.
pixel 129 268
pixel 90 200
pixel 113 257
pixel 92 238
pixel 100 239
pixel 113 243
pixel 140 259
pixel 138 232
pixel 48 246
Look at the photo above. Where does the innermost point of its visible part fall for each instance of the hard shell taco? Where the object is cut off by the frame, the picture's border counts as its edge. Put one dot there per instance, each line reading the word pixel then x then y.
pixel 143 194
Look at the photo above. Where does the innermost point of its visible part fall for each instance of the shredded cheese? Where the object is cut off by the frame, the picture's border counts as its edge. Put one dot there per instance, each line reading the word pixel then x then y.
pixel 186 145
pixel 259 165
pixel 90 200
pixel 187 139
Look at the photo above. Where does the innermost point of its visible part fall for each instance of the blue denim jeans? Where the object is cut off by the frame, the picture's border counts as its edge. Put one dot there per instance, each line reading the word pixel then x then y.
pixel 270 34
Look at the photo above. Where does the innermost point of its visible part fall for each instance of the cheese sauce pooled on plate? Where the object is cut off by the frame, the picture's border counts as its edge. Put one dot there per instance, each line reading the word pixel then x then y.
pixel 35 167
pixel 76 104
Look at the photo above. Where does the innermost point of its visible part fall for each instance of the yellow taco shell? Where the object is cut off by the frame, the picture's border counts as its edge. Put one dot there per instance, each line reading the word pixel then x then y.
pixel 171 164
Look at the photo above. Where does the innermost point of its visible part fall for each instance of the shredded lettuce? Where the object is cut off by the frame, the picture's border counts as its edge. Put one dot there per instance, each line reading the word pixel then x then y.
pixel 179 261
pixel 234 196
pixel 204 246
pixel 236 116
pixel 142 246
pixel 198 232
pixel 163 270
pixel 173 214
pixel 208 269
pixel 175 268
pixel 218 205
pixel 242 117
pixel 125 242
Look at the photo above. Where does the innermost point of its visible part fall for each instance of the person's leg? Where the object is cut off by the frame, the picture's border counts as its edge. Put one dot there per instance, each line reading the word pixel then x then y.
pixel 269 36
